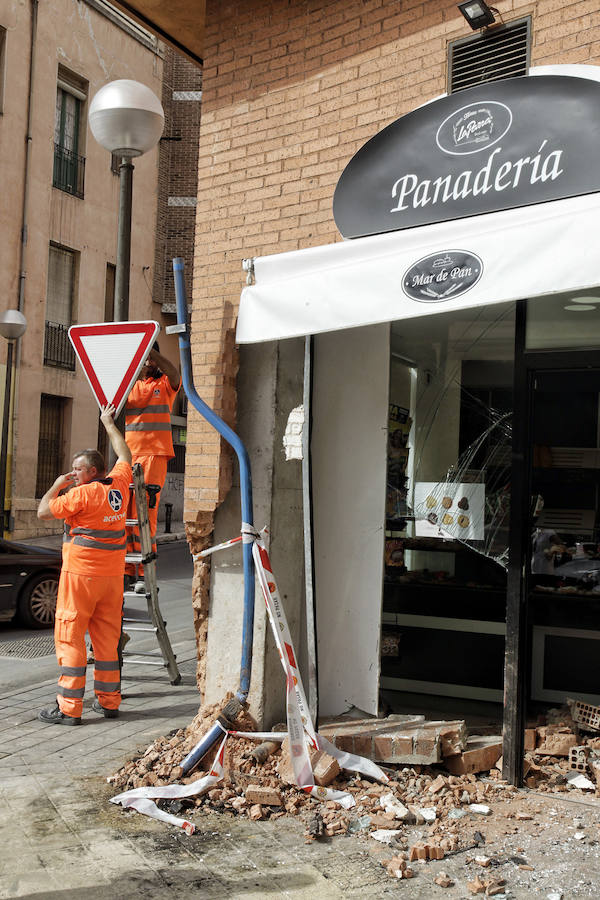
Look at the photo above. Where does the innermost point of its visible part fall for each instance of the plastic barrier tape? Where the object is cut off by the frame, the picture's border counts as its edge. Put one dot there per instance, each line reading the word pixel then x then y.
pixel 301 730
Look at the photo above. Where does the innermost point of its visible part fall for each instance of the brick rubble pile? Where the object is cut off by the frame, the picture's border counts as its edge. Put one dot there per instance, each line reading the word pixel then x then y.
pixel 427 811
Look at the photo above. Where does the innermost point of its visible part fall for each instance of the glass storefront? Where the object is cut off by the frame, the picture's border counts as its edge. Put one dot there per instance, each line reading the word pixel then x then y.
pixel 448 502
pixel 448 526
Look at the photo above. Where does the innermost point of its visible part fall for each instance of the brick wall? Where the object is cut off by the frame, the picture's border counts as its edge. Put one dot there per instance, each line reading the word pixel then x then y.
pixel 291 91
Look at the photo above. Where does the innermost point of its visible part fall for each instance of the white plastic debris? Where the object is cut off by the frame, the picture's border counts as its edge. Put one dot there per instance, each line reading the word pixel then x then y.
pixel 480 809
pixel 555 895
pixel 384 835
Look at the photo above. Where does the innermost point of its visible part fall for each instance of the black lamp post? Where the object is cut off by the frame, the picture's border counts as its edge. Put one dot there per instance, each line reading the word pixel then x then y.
pixel 12 326
pixel 127 119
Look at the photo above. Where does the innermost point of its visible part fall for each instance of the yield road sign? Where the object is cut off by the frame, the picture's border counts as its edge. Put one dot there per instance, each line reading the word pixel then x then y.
pixel 111 355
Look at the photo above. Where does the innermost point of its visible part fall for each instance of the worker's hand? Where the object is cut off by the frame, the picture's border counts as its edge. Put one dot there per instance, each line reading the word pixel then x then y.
pixel 107 414
pixel 65 481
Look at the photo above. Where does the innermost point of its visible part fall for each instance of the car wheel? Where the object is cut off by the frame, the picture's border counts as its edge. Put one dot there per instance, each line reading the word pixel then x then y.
pixel 37 603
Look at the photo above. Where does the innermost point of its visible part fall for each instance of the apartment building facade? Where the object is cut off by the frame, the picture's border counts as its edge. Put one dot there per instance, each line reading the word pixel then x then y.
pixel 59 225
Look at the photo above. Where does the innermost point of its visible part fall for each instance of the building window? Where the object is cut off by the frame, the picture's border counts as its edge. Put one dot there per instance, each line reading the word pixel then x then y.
pixel 50 442
pixel 69 123
pixel 491 55
pixel 58 350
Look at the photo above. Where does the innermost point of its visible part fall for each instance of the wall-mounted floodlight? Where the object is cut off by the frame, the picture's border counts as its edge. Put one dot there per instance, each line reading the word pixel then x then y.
pixel 477 13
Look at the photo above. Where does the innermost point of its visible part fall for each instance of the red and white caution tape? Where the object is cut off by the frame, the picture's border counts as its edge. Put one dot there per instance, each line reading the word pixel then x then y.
pixel 141 799
pixel 301 730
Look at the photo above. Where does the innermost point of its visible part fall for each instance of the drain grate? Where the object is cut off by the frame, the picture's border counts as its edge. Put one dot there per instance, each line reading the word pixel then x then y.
pixel 28 648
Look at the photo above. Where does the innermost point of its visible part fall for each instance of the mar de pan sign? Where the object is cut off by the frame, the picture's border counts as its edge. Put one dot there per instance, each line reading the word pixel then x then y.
pixel 496 146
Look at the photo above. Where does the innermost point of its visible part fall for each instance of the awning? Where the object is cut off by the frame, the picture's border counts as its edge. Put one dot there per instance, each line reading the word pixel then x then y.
pixel 525 253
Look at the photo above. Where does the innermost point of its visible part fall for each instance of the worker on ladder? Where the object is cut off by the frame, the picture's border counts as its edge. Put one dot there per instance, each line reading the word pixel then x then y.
pixel 148 436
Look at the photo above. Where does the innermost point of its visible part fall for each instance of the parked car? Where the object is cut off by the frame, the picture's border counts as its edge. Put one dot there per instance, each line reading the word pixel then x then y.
pixel 28 583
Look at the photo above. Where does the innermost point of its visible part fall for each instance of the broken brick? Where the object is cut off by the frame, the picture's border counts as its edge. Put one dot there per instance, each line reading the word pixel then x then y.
pixel 325 768
pixel 481 755
pixel 257 793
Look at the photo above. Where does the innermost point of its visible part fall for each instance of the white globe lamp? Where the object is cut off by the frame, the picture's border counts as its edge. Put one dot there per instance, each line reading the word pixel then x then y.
pixel 126 118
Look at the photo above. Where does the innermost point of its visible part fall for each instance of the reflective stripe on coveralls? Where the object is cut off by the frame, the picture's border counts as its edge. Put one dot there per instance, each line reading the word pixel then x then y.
pixel 88 603
pixel 90 589
pixel 148 418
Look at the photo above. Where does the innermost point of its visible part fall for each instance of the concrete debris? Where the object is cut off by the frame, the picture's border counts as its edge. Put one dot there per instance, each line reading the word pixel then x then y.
pixel 315 827
pixel 425 812
pixel 392 805
pixel 384 836
pixel 576 780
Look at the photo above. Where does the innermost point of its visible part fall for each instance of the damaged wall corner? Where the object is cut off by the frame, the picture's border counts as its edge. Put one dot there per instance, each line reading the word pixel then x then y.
pixel 269 386
pixel 198 535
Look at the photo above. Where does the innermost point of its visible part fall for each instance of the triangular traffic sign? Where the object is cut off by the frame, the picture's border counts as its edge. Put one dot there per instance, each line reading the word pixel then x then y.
pixel 111 355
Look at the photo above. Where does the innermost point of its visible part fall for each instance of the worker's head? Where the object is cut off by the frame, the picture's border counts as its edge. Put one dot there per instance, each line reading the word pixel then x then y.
pixel 150 369
pixel 87 465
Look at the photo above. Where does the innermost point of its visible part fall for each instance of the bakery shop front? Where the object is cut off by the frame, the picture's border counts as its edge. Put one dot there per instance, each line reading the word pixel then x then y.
pixel 453 342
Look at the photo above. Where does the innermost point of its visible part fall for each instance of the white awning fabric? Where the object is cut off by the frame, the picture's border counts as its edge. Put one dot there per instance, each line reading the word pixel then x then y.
pixel 526 252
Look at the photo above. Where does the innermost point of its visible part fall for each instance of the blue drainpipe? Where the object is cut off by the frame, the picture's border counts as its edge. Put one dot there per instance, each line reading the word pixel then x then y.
pixel 245 489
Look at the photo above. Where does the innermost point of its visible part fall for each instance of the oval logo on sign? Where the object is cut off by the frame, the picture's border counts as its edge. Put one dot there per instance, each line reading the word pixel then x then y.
pixel 442 276
pixel 474 128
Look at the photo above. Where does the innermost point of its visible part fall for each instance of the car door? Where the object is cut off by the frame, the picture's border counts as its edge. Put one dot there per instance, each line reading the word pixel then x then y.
pixel 10 578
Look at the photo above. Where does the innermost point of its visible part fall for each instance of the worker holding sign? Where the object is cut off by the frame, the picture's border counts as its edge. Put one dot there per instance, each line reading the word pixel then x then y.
pixel 90 590
pixel 148 436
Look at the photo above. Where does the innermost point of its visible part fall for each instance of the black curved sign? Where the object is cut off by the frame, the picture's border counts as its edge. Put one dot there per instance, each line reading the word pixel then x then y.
pixel 497 146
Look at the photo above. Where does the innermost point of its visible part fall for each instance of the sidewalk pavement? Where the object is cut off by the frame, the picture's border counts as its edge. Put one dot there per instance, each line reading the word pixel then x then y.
pixel 61 838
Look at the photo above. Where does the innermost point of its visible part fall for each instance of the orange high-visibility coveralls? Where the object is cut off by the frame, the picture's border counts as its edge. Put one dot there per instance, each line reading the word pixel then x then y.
pixel 90 590
pixel 148 435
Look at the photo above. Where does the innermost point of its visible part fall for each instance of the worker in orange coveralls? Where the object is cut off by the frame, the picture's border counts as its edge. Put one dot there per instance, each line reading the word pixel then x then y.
pixel 90 590
pixel 148 436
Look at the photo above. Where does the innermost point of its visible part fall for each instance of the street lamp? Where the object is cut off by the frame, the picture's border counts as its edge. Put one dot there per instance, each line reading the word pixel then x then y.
pixel 127 119
pixel 12 326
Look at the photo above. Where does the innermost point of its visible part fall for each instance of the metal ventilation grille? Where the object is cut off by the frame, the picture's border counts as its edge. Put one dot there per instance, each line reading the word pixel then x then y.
pixel 492 55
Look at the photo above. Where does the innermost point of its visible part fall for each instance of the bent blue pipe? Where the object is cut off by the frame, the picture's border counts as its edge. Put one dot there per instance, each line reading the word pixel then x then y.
pixel 245 479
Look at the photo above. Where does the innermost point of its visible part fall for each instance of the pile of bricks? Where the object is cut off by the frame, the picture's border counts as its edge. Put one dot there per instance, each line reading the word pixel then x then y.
pixel 441 782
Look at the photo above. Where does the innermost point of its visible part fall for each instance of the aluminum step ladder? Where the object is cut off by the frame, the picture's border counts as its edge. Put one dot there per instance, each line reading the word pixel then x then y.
pixel 136 620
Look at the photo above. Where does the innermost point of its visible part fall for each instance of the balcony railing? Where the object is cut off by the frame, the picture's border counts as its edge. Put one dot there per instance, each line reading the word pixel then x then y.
pixel 69 171
pixel 58 350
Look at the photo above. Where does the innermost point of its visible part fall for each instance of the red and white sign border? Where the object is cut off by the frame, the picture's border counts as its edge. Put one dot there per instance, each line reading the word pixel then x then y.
pixel 148 328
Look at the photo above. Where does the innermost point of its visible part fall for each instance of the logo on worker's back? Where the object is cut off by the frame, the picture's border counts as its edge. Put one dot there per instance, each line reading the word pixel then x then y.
pixel 442 276
pixel 115 498
pixel 156 392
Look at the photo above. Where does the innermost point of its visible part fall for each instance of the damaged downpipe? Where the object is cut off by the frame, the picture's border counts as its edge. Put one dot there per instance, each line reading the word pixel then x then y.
pixel 235 705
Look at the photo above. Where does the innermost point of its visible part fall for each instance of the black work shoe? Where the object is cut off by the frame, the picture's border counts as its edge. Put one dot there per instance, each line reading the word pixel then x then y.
pixel 54 716
pixel 107 713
